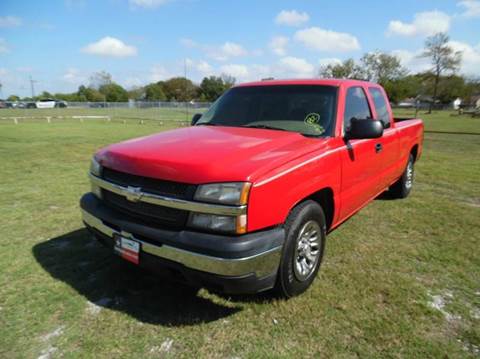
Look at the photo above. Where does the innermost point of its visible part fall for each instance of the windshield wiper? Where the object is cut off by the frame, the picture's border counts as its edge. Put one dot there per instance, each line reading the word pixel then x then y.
pixel 266 127
pixel 207 124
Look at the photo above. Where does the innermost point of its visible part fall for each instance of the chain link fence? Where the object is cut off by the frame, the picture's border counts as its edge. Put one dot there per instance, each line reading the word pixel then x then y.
pixel 141 111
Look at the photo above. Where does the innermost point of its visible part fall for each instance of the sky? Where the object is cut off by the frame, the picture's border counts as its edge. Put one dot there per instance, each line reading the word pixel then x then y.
pixel 61 43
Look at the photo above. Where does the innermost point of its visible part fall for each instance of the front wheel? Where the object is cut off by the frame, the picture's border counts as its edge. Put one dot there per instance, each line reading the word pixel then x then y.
pixel 303 249
pixel 403 187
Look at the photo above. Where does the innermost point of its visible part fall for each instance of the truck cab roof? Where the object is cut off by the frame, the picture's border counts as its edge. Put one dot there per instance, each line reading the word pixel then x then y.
pixel 324 82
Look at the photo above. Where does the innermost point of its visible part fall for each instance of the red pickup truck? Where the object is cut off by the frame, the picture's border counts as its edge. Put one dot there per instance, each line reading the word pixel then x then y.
pixel 242 201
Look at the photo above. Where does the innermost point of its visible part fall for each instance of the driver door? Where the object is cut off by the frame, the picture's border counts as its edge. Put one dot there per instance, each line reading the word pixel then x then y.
pixel 361 161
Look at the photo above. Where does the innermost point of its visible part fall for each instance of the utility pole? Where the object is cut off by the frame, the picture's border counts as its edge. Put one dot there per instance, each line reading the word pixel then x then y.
pixel 32 87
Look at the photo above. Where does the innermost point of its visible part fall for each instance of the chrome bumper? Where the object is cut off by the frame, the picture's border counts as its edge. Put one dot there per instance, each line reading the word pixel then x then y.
pixel 262 264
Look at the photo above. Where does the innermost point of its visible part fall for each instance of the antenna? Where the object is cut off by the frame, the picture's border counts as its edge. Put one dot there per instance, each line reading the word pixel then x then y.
pixel 32 86
pixel 186 99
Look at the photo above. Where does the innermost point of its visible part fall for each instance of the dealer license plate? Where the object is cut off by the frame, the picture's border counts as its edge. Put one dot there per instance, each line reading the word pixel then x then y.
pixel 128 249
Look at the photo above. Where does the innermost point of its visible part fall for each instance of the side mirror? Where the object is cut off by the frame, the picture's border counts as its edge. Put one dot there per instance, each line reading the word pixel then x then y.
pixel 195 118
pixel 365 128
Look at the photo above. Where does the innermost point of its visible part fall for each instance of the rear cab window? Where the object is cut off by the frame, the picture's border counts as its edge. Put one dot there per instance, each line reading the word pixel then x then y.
pixel 381 107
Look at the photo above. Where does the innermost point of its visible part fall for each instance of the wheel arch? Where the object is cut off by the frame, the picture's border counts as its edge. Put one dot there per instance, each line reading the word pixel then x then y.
pixel 325 199
pixel 414 152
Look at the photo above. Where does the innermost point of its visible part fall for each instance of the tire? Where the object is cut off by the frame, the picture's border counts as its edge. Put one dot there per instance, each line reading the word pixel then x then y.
pixel 403 187
pixel 297 270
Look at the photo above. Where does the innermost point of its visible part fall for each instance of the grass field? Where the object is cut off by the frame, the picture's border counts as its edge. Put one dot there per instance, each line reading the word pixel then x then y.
pixel 400 279
pixel 119 114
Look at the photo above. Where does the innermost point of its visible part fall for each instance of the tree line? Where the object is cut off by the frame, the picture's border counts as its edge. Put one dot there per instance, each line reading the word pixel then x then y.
pixel 102 88
pixel 440 84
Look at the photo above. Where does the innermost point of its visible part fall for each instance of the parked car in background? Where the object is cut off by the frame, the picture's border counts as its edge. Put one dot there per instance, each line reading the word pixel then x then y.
pixel 97 104
pixel 242 201
pixel 50 103
pixel 45 103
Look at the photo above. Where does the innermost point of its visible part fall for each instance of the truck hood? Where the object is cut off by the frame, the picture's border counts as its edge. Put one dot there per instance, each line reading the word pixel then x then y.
pixel 203 154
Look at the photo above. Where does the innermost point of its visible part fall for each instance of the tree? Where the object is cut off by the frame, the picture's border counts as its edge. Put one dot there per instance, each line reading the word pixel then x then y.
pixel 381 67
pixel 212 87
pixel 13 98
pixel 404 87
pixel 114 92
pixel 348 69
pixel 179 89
pixel 442 57
pixel 137 93
pixel 45 94
pixel 89 94
pixel 99 79
pixel 154 92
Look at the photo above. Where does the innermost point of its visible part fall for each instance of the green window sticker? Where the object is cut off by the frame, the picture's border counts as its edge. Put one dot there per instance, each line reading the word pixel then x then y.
pixel 313 120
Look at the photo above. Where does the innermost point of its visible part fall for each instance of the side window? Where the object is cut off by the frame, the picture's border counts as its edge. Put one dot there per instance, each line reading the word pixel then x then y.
pixel 380 106
pixel 356 106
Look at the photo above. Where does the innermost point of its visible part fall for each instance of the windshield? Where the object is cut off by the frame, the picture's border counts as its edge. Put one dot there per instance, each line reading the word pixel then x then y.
pixel 309 110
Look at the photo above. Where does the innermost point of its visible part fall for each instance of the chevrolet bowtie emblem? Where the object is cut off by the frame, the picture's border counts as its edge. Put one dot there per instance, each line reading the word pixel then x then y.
pixel 133 194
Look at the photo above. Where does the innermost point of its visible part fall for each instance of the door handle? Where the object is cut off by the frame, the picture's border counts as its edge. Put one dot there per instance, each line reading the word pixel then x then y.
pixel 378 147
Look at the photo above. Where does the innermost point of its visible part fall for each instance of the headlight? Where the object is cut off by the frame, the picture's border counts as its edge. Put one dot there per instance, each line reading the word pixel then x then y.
pixel 235 193
pixel 231 224
pixel 95 167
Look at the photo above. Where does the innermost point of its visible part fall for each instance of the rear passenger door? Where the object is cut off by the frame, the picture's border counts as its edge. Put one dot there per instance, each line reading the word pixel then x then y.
pixel 360 160
pixel 389 153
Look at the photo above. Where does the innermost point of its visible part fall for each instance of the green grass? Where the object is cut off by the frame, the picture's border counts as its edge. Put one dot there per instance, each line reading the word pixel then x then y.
pixel 382 270
pixel 155 115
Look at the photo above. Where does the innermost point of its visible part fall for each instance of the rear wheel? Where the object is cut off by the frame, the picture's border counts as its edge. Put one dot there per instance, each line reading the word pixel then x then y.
pixel 403 187
pixel 303 249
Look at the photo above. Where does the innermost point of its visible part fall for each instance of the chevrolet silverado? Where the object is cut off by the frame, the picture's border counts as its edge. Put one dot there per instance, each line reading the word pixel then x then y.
pixel 242 201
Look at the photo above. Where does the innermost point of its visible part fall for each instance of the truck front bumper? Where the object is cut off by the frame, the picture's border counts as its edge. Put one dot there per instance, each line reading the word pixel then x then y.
pixel 230 264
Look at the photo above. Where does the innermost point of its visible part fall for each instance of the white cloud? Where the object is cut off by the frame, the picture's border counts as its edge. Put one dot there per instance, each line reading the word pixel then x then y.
pixel 295 67
pixel 204 68
pixel 319 39
pixel 329 61
pixel 220 53
pixel 412 60
pixel 3 47
pixel 231 49
pixel 278 45
pixel 201 67
pixel 110 46
pixel 225 51
pixel 159 73
pixel 471 8
pixel 74 76
pixel 235 70
pixel 291 18
pixel 10 21
pixel 470 57
pixel 424 23
pixel 3 71
pixel 132 82
pixel 148 4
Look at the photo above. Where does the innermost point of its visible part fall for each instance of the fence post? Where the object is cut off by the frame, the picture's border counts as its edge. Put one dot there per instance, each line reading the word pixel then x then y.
pixel 15 121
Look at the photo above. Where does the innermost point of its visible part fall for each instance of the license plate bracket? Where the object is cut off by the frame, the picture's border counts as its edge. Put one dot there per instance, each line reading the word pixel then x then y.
pixel 127 248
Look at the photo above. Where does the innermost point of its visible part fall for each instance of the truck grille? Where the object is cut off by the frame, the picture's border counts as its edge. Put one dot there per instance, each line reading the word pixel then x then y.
pixel 151 185
pixel 146 212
